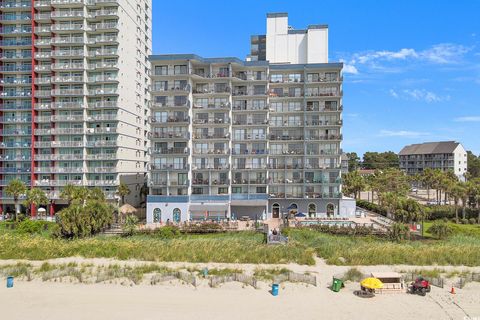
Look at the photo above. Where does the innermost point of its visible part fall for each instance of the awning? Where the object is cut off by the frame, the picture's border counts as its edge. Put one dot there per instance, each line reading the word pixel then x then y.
pixel 216 207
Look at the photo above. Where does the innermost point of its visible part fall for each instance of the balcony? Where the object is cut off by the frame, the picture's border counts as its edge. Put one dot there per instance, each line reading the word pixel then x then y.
pixel 102 144
pixel 102 156
pixel 212 121
pixel 171 135
pixel 103 53
pixel 169 167
pixel 104 130
pixel 102 91
pixel 103 65
pixel 165 151
pixel 62 105
pixel 67 92
pixel 67 53
pixel 102 170
pixel 102 183
pixel 15 132
pixel 103 104
pixel 15 145
pixel 59 170
pixel 57 15
pixel 57 183
pixel 67 79
pixel 67 66
pixel 15 158
pixel 211 136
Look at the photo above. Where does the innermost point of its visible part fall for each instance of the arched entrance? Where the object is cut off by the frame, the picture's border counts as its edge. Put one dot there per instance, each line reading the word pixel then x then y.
pixel 157 215
pixel 275 211
pixel 330 210
pixel 312 210
pixel 176 215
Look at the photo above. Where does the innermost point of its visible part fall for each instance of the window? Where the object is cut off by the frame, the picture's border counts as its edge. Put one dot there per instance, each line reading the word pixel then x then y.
pixel 180 69
pixel 176 215
pixel 157 215
pixel 161 70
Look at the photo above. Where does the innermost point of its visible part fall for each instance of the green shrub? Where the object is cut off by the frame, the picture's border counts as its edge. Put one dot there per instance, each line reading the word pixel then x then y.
pixel 130 225
pixel 464 221
pixel 204 227
pixel 167 232
pixel 28 226
pixel 79 221
pixel 472 221
pixel 440 230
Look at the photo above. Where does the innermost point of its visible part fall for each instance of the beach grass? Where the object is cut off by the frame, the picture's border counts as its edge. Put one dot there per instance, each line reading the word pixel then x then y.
pixel 249 247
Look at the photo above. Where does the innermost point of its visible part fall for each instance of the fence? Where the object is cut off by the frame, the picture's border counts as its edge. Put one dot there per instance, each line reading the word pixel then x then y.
pixel 186 277
pixel 434 281
pixel 296 277
pixel 464 279
pixel 215 281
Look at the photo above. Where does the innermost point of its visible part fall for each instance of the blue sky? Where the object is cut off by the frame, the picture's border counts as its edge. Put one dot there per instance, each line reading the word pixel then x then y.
pixel 412 68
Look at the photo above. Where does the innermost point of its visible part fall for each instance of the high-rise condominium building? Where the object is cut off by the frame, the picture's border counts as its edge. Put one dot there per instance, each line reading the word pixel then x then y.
pixel 74 94
pixel 233 138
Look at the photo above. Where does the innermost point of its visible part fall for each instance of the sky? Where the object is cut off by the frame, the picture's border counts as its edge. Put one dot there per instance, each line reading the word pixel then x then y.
pixel 411 68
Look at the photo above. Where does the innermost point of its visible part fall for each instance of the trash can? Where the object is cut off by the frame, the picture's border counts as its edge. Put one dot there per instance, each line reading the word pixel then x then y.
pixel 337 285
pixel 275 289
pixel 205 272
pixel 10 282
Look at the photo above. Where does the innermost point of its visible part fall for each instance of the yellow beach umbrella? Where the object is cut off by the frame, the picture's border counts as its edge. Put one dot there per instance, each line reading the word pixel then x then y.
pixel 371 283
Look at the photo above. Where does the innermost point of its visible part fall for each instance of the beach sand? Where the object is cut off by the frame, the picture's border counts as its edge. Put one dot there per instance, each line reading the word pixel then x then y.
pixel 65 300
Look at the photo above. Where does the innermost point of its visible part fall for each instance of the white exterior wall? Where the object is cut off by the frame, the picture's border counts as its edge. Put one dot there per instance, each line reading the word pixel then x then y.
pixel 167 211
pixel 295 47
pixel 460 162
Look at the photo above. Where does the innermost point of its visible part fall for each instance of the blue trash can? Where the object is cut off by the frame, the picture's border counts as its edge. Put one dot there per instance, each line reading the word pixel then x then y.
pixel 10 282
pixel 275 289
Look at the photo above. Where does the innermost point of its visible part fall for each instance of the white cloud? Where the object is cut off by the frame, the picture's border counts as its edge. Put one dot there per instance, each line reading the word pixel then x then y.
pixel 440 53
pixel 402 133
pixel 444 53
pixel 418 95
pixel 468 119
pixel 349 68
pixel 394 94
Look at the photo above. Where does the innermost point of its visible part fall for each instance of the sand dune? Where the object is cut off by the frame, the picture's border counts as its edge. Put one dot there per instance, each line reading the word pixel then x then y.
pixel 53 300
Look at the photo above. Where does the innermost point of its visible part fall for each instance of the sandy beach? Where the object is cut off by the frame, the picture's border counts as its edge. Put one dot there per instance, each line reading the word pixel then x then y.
pixel 172 300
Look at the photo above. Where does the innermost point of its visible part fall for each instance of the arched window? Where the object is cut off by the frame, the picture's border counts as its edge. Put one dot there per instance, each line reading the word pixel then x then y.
pixel 312 210
pixel 157 215
pixel 176 215
pixel 275 210
pixel 330 210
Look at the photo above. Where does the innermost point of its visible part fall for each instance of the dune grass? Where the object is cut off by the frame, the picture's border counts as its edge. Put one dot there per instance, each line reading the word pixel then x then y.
pixel 344 250
pixel 248 247
pixel 228 248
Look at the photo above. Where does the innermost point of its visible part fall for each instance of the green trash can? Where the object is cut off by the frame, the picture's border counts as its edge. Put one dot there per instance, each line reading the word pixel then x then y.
pixel 337 285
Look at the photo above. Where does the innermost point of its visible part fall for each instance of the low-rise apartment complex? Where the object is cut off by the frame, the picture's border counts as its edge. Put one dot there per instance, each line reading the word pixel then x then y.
pixel 233 138
pixel 445 156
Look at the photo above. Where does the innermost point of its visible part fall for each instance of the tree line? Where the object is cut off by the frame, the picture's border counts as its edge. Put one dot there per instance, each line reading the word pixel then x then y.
pixel 391 188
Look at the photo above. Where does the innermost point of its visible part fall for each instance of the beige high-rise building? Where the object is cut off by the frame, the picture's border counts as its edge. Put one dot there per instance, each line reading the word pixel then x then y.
pixel 257 139
pixel 74 94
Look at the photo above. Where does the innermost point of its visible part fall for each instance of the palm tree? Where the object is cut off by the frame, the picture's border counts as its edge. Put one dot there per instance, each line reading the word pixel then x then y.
pixel 123 191
pixel 96 194
pixel 391 202
pixel 35 197
pixel 69 193
pixel 15 189
pixel 428 177
pixel 456 192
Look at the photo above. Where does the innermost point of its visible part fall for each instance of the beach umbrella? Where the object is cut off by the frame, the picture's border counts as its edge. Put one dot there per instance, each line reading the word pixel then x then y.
pixel 300 215
pixel 371 283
